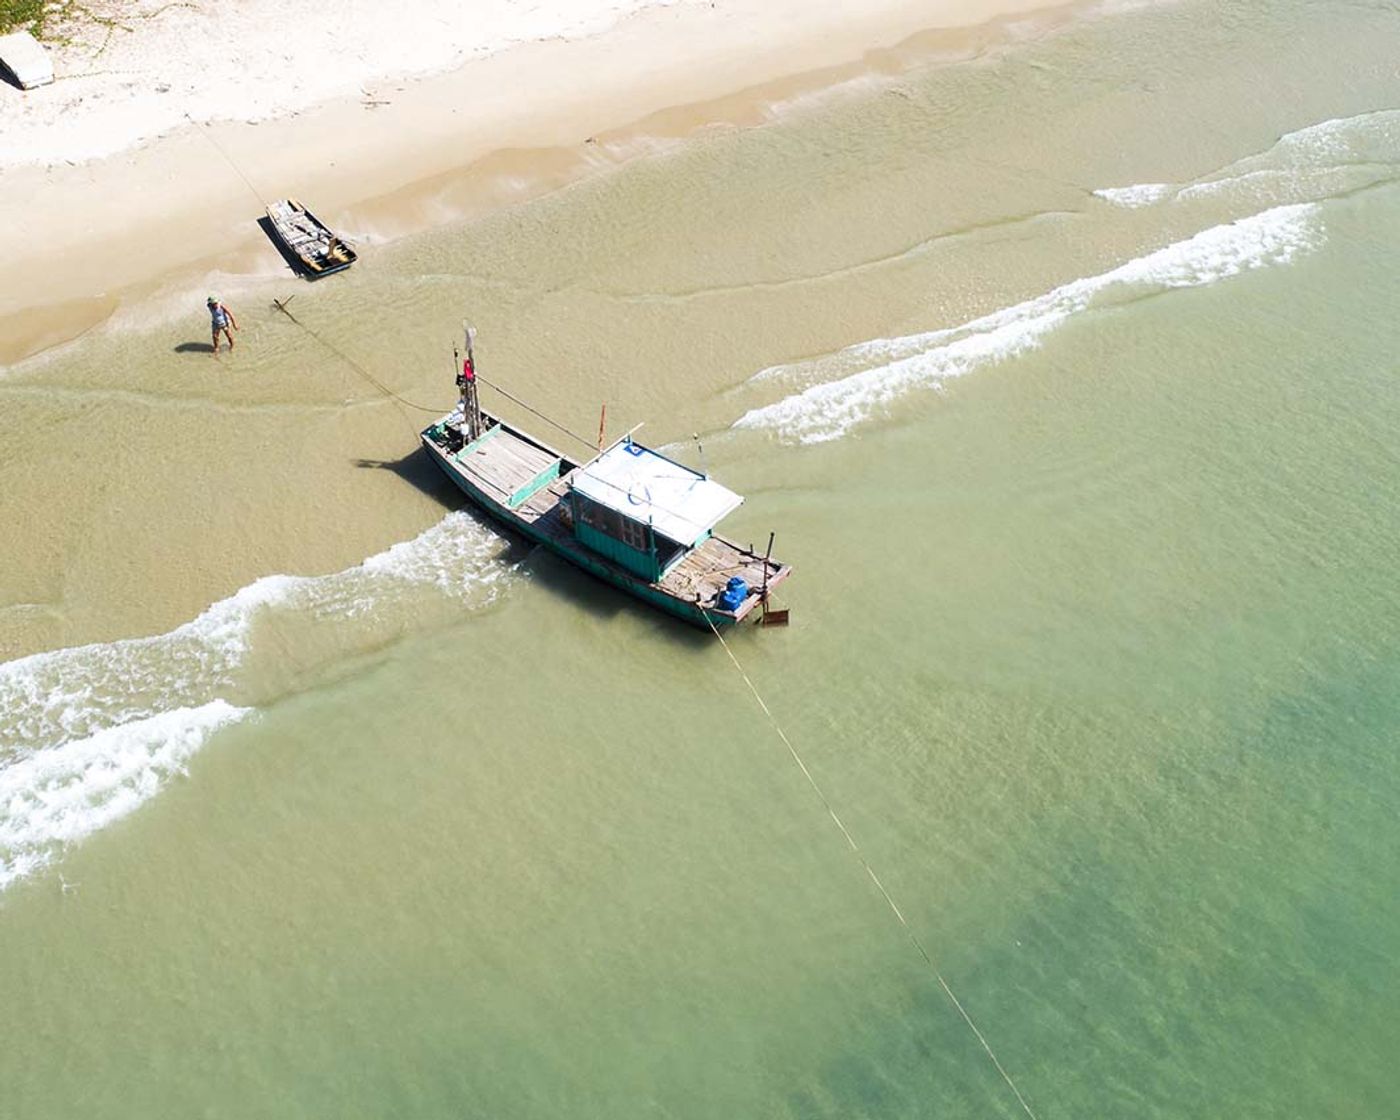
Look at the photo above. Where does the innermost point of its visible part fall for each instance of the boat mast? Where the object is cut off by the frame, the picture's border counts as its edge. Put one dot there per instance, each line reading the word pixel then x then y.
pixel 466 382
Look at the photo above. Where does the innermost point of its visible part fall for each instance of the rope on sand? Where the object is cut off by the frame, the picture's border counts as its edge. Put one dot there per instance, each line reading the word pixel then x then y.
pixel 870 871
pixel 203 131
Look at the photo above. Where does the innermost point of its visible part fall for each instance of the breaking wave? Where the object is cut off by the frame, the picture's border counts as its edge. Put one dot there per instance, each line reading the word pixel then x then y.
pixel 1137 195
pixel 87 734
pixel 59 795
pixel 1321 160
pixel 848 387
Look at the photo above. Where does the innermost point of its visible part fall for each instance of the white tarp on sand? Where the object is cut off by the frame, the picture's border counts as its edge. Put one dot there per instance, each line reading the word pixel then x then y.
pixel 22 56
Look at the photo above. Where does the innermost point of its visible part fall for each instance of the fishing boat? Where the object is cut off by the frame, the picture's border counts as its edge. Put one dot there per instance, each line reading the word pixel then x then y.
pixel 306 240
pixel 629 515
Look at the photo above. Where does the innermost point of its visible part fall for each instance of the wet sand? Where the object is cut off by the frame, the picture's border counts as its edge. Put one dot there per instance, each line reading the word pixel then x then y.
pixel 95 235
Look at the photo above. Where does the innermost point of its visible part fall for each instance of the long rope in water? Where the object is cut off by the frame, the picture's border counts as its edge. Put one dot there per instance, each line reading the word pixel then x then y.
pixel 281 306
pixel 870 871
pixel 383 388
pixel 797 758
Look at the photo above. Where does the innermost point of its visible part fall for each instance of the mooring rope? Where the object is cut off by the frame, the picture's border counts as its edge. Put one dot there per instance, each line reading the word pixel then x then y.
pixel 281 306
pixel 203 131
pixel 855 851
pixel 536 412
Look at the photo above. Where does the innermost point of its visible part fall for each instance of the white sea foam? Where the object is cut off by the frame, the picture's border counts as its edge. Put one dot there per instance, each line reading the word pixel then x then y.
pixel 60 795
pixel 87 733
pixel 848 387
pixel 1304 165
pixel 1137 195
pixel 49 698
pixel 1324 159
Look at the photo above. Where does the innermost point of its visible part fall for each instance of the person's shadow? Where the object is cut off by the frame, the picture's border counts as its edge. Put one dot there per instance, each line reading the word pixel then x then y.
pixel 194 348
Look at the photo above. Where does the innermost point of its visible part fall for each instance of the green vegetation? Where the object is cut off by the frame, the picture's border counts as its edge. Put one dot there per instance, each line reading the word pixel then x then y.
pixel 17 14
pixel 59 21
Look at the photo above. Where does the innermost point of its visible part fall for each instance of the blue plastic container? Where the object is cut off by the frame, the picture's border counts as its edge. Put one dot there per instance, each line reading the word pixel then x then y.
pixel 734 594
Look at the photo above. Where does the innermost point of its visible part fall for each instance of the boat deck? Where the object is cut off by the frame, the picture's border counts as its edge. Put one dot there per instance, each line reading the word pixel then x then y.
pixel 504 466
pixel 704 571
pixel 502 463
pixel 304 235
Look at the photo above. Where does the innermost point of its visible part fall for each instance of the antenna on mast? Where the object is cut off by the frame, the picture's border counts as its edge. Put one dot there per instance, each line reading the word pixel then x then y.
pixel 701 449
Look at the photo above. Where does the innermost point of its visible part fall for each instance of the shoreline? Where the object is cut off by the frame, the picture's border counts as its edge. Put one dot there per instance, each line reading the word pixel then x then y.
pixel 178 209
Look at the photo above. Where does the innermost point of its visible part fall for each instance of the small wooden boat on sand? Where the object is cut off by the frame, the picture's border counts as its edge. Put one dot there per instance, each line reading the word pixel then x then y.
pixel 306 240
pixel 629 515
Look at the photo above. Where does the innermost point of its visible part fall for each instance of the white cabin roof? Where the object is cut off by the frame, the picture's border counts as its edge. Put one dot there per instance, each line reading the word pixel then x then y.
pixel 676 501
pixel 22 56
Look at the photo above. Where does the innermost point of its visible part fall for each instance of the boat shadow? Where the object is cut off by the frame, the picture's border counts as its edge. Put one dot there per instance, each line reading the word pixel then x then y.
pixel 557 576
pixel 416 469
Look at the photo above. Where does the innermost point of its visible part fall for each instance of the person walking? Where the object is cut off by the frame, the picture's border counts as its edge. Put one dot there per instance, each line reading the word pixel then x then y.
pixel 220 321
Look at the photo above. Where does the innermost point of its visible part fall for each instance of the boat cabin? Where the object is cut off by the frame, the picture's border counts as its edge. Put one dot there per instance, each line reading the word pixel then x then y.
pixel 643 511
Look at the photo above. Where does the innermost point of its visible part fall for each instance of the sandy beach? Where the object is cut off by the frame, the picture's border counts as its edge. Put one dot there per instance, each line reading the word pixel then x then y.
pixel 144 166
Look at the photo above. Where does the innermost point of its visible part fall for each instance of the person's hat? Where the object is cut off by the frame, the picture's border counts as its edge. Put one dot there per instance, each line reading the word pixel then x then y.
pixel 211 299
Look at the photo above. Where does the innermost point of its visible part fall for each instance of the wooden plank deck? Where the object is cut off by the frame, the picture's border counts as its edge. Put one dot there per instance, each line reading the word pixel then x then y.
pixel 705 570
pixel 504 463
pixel 302 235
